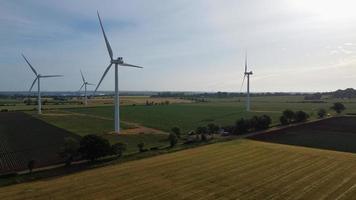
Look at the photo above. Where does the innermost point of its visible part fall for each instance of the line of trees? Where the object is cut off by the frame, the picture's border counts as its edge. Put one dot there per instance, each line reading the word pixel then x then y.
pixel 90 147
pixel 255 123
pixel 289 117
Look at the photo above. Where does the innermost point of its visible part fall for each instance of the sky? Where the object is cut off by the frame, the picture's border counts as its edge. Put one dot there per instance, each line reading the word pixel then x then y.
pixel 183 45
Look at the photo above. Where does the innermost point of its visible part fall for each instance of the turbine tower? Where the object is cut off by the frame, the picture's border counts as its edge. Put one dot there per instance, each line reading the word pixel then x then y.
pixel 85 84
pixel 247 74
pixel 38 79
pixel 116 62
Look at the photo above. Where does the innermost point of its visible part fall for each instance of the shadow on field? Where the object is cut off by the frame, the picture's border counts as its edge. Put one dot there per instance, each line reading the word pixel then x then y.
pixel 337 134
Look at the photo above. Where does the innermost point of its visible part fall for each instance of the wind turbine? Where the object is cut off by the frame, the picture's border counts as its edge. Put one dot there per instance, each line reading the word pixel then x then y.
pixel 38 79
pixel 117 62
pixel 247 74
pixel 85 84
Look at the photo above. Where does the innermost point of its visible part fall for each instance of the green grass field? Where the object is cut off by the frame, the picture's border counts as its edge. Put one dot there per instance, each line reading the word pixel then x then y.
pixel 242 169
pixel 222 112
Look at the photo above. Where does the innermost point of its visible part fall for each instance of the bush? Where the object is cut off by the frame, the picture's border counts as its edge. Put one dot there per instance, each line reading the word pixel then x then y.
pixel 289 115
pixel 263 122
pixel 338 107
pixel 321 113
pixel 301 116
pixel 212 128
pixel 241 126
pixel 173 139
pixel 31 165
pixel 201 130
pixel 204 137
pixel 93 147
pixel 283 119
pixel 176 130
pixel 118 149
pixel 70 150
pixel 141 146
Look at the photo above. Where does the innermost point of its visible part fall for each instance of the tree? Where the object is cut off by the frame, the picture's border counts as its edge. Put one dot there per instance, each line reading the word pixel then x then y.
pixel 118 149
pixel 173 139
pixel 141 146
pixel 176 130
pixel 338 107
pixel 289 115
pixel 263 122
pixel 301 116
pixel 69 150
pixel 321 113
pixel 241 126
pixel 201 130
pixel 283 119
pixel 212 128
pixel 31 165
pixel 252 123
pixel 93 147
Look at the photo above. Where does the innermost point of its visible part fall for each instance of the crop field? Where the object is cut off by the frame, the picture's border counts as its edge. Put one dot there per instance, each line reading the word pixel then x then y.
pixel 150 124
pixel 19 105
pixel 24 138
pixel 338 134
pixel 220 111
pixel 240 169
pixel 84 124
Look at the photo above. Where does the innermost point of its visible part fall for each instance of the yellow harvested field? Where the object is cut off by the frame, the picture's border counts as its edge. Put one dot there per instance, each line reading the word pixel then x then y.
pixel 240 169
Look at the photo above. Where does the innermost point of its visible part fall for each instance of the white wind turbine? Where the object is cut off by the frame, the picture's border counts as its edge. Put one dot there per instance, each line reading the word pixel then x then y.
pixel 38 79
pixel 85 84
pixel 117 62
pixel 247 74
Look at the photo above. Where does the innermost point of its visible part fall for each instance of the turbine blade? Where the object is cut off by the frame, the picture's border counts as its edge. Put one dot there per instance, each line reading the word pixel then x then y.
pixel 90 84
pixel 106 39
pixel 129 65
pixel 82 76
pixel 102 78
pixel 29 64
pixel 81 87
pixel 33 83
pixel 50 76
pixel 243 81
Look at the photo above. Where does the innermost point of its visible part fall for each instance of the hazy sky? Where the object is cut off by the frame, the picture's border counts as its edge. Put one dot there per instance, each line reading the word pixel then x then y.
pixel 184 45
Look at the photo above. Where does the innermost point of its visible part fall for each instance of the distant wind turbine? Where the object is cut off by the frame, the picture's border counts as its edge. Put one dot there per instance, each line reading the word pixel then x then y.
pixel 247 74
pixel 38 79
pixel 85 84
pixel 117 62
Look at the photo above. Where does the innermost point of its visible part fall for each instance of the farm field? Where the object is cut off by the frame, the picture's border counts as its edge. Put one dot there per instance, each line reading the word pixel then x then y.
pixel 150 124
pixel 84 124
pixel 19 105
pixel 223 112
pixel 24 138
pixel 240 169
pixel 338 134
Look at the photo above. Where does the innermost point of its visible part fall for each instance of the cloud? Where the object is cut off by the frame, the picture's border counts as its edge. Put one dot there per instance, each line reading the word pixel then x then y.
pixel 183 44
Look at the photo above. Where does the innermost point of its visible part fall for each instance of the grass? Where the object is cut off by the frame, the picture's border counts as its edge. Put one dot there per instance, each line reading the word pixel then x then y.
pixel 219 111
pixel 79 123
pixel 84 124
pixel 241 169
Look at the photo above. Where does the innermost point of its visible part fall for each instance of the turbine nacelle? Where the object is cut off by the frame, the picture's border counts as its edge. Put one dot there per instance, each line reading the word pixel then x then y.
pixel 118 61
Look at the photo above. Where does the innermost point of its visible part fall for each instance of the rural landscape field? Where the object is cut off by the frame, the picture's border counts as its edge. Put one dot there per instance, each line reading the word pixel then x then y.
pixel 179 99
